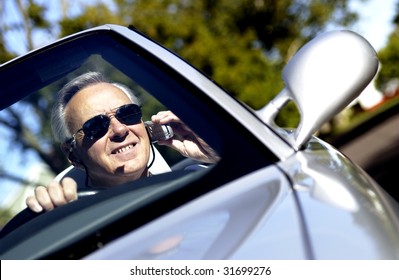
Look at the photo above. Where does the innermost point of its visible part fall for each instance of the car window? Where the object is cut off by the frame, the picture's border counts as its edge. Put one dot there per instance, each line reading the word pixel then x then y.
pixel 159 88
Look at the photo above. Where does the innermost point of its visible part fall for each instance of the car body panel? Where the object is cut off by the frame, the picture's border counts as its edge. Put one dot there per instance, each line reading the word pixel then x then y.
pixel 241 220
pixel 361 222
pixel 290 223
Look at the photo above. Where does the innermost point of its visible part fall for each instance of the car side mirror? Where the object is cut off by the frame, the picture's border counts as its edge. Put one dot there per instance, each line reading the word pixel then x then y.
pixel 322 78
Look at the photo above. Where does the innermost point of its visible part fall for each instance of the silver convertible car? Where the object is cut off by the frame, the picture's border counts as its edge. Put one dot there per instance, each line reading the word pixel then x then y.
pixel 276 193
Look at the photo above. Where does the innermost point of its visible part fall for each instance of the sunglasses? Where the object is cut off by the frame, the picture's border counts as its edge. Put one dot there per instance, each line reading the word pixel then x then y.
pixel 97 127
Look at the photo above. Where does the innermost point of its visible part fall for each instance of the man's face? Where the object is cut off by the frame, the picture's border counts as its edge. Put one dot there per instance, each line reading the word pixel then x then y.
pixel 122 154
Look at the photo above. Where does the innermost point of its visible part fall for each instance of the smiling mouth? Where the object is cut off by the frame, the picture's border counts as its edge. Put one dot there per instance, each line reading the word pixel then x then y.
pixel 123 149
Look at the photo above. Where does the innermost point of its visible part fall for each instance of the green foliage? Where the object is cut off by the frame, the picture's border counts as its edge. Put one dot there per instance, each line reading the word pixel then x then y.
pixel 5 216
pixel 35 13
pixel 389 56
pixel 91 16
pixel 4 54
pixel 242 44
pixel 389 59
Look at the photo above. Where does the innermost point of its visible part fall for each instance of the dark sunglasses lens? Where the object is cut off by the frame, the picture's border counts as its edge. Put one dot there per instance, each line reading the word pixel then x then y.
pixel 96 127
pixel 129 114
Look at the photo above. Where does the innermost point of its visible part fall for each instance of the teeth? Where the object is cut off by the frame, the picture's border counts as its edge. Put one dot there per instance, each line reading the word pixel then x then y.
pixel 121 150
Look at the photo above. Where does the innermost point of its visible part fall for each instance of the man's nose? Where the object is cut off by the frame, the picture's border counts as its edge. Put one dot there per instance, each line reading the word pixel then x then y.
pixel 118 129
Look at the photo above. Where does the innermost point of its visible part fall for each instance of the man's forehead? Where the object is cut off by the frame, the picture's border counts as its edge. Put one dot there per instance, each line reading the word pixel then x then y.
pixel 101 92
pixel 94 100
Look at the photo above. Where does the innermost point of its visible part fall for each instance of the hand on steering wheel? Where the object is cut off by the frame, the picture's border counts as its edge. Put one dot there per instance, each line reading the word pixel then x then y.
pixel 54 195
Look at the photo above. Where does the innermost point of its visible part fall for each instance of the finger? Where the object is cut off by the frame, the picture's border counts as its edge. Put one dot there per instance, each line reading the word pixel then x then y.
pixel 33 204
pixel 164 117
pixel 70 189
pixel 43 197
pixel 56 192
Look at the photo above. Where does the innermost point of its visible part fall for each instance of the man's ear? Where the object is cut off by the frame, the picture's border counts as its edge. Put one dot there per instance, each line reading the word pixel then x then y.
pixel 68 151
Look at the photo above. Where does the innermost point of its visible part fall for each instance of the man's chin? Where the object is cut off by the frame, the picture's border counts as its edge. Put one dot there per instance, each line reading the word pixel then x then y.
pixel 129 170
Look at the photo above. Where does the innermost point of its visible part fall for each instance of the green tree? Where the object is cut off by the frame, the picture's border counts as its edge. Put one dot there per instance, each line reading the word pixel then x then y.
pixel 389 56
pixel 241 44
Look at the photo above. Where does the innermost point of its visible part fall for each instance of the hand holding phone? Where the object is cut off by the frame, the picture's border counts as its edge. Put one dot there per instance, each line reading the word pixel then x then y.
pixel 158 132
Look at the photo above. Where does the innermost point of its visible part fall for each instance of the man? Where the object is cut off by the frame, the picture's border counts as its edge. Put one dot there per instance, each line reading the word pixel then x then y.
pixel 100 127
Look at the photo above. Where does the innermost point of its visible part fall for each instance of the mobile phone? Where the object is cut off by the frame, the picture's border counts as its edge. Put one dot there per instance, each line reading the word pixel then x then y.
pixel 158 132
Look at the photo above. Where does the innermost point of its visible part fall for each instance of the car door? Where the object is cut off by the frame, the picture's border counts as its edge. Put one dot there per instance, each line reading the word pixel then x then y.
pixel 253 217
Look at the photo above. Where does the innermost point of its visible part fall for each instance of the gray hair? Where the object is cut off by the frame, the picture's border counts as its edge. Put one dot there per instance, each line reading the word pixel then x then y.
pixel 58 123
